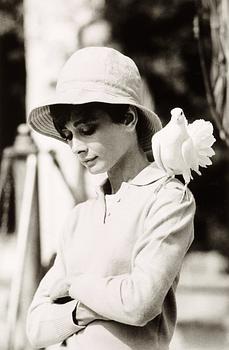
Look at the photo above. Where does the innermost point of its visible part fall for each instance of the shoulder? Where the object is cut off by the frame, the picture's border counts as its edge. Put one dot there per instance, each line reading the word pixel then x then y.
pixel 172 196
pixel 174 189
pixel 172 212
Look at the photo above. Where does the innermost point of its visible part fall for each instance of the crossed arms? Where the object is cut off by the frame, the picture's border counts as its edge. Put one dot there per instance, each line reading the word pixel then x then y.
pixel 133 298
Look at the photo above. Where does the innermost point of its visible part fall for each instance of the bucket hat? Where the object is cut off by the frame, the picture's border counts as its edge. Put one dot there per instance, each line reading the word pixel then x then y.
pixel 97 74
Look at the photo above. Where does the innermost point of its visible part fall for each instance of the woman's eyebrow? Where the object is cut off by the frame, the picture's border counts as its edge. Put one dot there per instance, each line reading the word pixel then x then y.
pixel 84 121
pixel 79 121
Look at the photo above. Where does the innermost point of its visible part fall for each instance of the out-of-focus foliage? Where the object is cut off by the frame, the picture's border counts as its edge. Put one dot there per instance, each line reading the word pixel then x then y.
pixel 11 17
pixel 12 70
pixel 159 36
pixel 213 19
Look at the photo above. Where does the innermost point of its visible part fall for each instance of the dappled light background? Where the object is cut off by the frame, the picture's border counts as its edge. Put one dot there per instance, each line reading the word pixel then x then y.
pixel 183 59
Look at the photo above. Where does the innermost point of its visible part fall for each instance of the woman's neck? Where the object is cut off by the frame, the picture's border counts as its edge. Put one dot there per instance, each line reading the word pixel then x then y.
pixel 127 168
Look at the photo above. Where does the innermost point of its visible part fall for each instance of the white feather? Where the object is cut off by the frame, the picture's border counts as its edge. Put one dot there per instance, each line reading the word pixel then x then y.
pixel 201 133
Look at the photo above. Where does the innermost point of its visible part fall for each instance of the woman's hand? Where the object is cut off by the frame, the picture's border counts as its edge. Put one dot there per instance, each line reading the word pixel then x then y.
pixel 84 315
pixel 59 289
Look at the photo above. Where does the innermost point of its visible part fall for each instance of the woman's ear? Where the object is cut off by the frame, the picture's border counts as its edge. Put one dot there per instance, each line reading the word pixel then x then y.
pixel 131 117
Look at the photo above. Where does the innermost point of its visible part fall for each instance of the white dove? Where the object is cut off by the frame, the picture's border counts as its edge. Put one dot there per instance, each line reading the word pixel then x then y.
pixel 180 147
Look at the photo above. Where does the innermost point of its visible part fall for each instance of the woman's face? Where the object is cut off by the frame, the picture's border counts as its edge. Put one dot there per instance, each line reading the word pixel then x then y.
pixel 98 142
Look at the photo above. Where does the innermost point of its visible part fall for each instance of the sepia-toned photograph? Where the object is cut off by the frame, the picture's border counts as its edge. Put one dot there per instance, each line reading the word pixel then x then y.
pixel 114 175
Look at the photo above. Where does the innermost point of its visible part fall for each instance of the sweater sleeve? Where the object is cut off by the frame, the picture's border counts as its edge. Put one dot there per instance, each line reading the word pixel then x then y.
pixel 49 323
pixel 137 297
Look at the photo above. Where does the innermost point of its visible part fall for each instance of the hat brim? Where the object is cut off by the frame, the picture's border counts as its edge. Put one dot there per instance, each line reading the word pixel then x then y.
pixel 40 118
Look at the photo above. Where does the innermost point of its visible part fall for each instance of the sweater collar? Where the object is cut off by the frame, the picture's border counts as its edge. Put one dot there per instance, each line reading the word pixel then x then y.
pixel 147 176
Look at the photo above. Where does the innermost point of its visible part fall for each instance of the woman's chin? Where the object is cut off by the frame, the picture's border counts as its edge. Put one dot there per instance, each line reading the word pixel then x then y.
pixel 95 170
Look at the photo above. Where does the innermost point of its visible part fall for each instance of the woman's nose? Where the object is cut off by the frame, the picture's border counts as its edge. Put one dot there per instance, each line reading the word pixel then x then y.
pixel 78 146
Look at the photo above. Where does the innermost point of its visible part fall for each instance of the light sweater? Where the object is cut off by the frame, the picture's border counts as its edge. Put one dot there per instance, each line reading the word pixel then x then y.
pixel 123 254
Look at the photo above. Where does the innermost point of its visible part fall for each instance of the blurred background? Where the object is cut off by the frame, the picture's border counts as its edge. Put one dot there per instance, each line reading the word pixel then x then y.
pixel 182 50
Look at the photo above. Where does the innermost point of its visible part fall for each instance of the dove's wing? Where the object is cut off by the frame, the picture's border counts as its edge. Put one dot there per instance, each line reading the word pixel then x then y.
pixel 156 148
pixel 189 156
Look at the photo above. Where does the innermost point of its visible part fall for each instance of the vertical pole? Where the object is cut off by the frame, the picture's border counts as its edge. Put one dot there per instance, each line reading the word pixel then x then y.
pixel 27 257
pixel 5 168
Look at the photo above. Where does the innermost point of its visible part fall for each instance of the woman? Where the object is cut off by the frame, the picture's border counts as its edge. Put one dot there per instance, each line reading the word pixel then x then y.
pixel 113 282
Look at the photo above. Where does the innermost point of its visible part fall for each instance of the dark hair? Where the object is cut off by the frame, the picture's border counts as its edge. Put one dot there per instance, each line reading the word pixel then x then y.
pixel 61 114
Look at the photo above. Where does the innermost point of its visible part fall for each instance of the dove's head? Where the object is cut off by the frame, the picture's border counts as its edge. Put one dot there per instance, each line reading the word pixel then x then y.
pixel 177 116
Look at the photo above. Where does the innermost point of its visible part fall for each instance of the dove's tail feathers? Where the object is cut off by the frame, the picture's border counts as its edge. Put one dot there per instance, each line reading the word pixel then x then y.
pixel 201 133
pixel 204 161
pixel 187 175
pixel 197 171
pixel 207 152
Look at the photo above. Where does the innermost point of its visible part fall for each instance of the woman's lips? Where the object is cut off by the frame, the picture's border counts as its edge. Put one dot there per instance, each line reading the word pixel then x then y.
pixel 90 161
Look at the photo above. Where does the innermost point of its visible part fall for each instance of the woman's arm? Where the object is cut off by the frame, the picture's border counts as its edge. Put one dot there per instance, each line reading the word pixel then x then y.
pixel 50 319
pixel 137 297
pixel 48 322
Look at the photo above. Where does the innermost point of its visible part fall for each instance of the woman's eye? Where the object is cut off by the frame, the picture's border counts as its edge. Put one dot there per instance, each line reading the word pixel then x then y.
pixel 66 134
pixel 87 130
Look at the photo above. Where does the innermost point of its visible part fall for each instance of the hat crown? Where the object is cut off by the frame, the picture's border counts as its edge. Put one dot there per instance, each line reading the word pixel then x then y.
pixel 101 67
pixel 97 74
